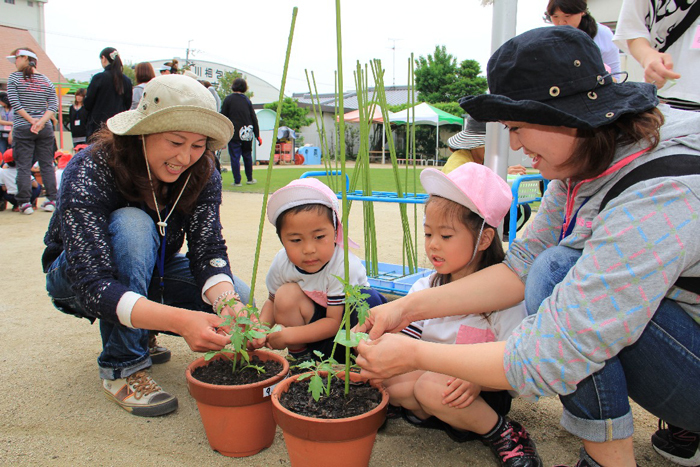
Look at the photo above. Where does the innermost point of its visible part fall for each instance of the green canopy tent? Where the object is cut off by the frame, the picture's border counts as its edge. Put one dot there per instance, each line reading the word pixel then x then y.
pixel 426 114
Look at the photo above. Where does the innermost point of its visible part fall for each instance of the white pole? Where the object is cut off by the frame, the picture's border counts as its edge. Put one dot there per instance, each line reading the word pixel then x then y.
pixel 502 29
pixel 497 141
pixel 383 144
pixel 437 141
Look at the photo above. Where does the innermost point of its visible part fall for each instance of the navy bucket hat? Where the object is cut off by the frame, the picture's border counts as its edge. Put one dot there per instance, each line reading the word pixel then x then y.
pixel 555 76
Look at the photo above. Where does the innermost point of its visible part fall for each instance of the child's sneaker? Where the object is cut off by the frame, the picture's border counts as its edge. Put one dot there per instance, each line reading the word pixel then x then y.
pixel 26 208
pixel 48 206
pixel 159 354
pixel 251 182
pixel 15 208
pixel 140 395
pixel 512 445
pixel 676 444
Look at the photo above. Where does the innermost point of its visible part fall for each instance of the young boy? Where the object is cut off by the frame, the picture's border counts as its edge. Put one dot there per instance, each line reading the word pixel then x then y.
pixel 305 296
pixel 8 177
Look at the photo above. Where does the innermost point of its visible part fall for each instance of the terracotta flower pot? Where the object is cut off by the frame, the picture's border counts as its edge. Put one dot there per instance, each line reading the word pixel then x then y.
pixel 343 442
pixel 237 419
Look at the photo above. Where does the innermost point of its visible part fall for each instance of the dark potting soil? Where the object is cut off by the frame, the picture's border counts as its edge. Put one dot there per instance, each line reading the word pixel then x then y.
pixel 220 372
pixel 361 399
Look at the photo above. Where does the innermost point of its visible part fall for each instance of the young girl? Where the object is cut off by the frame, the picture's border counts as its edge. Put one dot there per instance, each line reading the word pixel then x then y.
pixel 305 295
pixel 461 238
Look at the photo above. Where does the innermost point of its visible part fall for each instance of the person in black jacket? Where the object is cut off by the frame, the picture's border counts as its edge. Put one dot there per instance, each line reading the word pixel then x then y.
pixel 109 92
pixel 77 118
pixel 238 108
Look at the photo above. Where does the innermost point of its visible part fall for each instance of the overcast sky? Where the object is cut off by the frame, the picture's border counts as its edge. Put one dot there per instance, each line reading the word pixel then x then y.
pixel 252 35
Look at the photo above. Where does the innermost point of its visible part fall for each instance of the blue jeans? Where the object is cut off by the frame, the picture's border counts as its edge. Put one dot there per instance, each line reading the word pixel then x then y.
pixel 135 242
pixel 236 149
pixel 660 372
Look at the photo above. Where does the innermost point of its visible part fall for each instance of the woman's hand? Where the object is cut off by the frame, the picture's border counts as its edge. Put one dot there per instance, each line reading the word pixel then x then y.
pixel 384 318
pixel 202 333
pixel 658 68
pixel 386 357
pixel 460 393
pixel 37 126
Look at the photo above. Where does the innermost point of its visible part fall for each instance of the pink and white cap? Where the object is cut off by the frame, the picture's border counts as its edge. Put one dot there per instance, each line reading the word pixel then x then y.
pixel 475 187
pixel 306 191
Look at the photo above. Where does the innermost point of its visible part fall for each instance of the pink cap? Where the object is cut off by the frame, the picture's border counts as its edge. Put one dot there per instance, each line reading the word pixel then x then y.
pixel 305 191
pixel 475 187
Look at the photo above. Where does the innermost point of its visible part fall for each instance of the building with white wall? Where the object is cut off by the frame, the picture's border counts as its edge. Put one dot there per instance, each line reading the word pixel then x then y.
pixel 25 14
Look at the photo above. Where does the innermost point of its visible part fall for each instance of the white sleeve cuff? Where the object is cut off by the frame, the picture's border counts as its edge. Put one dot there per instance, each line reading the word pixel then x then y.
pixel 211 282
pixel 125 306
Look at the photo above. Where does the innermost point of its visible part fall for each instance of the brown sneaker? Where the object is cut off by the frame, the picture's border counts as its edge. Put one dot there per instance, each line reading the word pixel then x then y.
pixel 140 395
pixel 159 354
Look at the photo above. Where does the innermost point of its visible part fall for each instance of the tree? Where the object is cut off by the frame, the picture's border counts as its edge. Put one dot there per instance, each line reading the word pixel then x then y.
pixel 129 72
pixel 439 79
pixel 225 83
pixel 292 115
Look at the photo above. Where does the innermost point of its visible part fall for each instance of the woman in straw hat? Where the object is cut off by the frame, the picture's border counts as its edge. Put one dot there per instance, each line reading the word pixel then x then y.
pixel 126 205
pixel 608 268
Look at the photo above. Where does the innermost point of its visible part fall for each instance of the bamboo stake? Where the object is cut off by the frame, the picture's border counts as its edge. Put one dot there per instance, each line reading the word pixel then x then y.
pixel 378 73
pixel 261 226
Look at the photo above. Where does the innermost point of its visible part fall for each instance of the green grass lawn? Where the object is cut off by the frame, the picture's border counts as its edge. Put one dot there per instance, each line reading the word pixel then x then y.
pixel 382 179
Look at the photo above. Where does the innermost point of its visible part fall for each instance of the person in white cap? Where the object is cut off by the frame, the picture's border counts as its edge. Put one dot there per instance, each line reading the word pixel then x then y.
pixel 461 216
pixel 34 101
pixel 306 297
pixel 126 206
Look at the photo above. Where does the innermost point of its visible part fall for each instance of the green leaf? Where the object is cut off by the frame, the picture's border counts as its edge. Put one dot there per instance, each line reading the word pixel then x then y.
pixel 209 355
pixel 316 387
pixel 355 338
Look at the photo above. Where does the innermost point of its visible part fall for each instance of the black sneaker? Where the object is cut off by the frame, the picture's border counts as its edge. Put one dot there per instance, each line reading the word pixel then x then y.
pixel 584 461
pixel 512 445
pixel 676 444
pixel 159 354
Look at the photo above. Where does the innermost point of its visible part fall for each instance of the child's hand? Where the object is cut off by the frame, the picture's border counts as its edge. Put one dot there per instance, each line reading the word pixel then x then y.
pixel 255 344
pixel 460 393
pixel 276 340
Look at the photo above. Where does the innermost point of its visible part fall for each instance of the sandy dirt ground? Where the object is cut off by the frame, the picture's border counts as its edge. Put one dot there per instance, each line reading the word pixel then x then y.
pixel 53 412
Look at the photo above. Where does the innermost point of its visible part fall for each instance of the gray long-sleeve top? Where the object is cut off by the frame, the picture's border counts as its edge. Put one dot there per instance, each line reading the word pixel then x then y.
pixel 633 252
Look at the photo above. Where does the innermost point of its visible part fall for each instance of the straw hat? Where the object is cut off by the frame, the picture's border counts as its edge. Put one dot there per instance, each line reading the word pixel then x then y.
pixel 175 103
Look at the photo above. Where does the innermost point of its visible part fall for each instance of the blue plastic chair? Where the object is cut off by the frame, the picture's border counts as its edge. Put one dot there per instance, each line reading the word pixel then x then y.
pixel 526 190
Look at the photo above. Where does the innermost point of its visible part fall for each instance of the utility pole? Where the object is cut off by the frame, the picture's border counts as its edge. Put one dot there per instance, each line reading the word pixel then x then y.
pixel 187 54
pixel 393 48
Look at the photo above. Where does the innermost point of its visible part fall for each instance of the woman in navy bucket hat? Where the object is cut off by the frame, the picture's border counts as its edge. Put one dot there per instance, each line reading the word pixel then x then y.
pixel 608 268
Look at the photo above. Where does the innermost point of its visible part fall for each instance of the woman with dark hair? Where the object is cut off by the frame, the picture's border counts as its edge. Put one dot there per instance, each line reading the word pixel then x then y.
pixel 238 108
pixel 608 267
pixel 575 13
pixel 34 102
pixel 77 119
pixel 109 92
pixel 6 118
pixel 144 73
pixel 126 206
